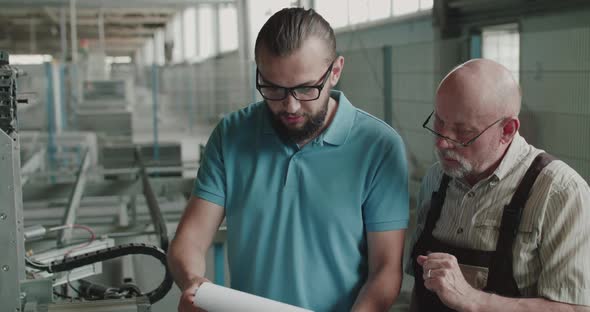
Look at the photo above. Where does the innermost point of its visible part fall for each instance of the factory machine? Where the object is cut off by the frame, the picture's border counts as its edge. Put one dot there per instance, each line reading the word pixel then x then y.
pixel 106 108
pixel 42 257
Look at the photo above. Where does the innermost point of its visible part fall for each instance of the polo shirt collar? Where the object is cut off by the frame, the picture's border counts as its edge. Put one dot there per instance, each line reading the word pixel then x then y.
pixel 336 133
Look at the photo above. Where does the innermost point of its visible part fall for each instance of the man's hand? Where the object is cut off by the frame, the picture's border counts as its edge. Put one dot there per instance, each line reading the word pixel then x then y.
pixel 443 276
pixel 187 299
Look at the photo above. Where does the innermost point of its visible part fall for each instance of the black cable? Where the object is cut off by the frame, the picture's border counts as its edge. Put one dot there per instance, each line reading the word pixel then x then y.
pixel 72 286
pixel 114 252
pixel 62 295
pixel 92 291
pixel 130 288
pixel 35 265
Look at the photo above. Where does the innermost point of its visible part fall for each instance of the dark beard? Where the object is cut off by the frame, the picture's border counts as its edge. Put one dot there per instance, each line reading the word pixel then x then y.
pixel 311 127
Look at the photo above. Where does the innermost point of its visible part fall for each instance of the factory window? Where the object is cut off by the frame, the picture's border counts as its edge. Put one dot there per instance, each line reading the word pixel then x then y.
pixel 258 13
pixel 501 43
pixel 426 4
pixel 27 59
pixel 205 20
pixel 190 33
pixel 157 47
pixel 403 7
pixel 379 9
pixel 148 52
pixel 228 27
pixel 176 35
pixel 340 13
pixel 118 60
pixel 335 13
pixel 358 11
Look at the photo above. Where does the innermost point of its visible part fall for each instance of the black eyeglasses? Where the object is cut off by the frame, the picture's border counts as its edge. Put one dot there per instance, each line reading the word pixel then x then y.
pixel 464 143
pixel 301 93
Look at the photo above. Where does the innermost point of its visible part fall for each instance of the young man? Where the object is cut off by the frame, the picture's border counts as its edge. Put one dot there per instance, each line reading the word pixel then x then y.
pixel 501 225
pixel 313 189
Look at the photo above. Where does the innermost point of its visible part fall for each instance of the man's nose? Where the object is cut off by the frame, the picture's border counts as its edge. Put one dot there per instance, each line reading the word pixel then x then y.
pixel 292 105
pixel 442 143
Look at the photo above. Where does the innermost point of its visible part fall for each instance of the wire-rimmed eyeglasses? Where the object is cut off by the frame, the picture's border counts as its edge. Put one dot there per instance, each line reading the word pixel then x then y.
pixel 455 141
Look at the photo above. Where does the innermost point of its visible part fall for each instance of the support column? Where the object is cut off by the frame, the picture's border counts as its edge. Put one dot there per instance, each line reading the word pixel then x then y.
pixel 245 50
pixel 475 46
pixel 74 31
pixel 216 30
pixel 244 45
pixel 63 35
pixel 50 111
pixel 33 36
pixel 388 85
pixel 197 32
pixel 155 99
pixel 57 94
pixel 101 37
pixel 181 43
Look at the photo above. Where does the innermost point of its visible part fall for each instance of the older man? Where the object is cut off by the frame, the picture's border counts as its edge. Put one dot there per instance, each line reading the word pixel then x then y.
pixel 502 226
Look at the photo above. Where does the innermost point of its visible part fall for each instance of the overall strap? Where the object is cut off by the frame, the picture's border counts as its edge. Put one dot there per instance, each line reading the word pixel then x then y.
pixel 501 268
pixel 436 203
pixel 427 300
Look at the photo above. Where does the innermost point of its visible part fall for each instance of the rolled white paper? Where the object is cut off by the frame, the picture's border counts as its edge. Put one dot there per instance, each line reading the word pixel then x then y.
pixel 215 298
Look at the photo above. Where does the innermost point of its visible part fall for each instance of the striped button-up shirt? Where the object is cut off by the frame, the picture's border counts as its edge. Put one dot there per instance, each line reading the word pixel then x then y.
pixel 551 254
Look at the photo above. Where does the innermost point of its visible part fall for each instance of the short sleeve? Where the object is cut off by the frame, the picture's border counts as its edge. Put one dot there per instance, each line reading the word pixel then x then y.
pixel 386 205
pixel 565 248
pixel 210 182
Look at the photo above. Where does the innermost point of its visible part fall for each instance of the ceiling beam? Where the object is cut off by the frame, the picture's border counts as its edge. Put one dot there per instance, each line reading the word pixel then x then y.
pixel 53 16
pixel 114 43
pixel 96 4
pixel 25 20
pixel 83 33
pixel 53 48
pixel 27 10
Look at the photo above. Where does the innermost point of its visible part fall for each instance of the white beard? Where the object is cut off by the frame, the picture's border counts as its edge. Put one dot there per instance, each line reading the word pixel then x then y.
pixel 459 172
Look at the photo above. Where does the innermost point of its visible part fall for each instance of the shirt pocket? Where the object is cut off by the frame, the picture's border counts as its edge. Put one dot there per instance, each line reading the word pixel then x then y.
pixel 476 276
pixel 487 231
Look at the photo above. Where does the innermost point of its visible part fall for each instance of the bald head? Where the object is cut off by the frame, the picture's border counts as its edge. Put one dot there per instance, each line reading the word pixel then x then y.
pixel 477 102
pixel 480 87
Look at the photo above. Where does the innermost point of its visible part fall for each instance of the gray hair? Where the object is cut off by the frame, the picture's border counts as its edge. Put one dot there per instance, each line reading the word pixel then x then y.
pixel 285 32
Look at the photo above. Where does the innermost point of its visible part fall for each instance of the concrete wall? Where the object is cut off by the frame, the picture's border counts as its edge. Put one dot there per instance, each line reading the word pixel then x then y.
pixel 205 91
pixel 408 70
pixel 555 78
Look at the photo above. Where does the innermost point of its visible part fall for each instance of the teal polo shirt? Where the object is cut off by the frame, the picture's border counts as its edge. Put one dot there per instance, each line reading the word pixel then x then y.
pixel 297 217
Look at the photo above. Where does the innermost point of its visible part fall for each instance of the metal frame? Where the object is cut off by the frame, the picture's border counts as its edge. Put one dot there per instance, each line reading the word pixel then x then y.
pixel 74 201
pixel 139 304
pixel 33 164
pixel 12 269
pixel 388 84
pixel 77 273
pixel 152 203
pixel 11 224
pixel 155 100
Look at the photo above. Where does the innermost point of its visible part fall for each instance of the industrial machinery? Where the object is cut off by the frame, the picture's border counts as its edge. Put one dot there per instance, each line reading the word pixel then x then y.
pixel 106 108
pixel 39 281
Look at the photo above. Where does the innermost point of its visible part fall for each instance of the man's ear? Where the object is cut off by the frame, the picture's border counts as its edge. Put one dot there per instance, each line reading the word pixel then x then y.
pixel 509 130
pixel 336 70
